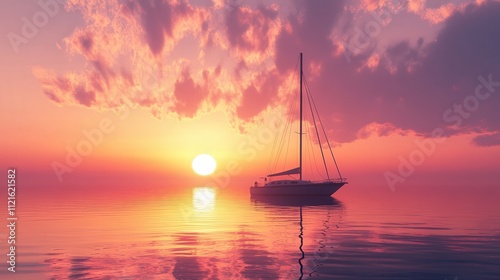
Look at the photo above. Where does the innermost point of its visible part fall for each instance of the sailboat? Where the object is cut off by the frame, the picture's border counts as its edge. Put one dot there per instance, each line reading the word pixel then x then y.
pixel 300 186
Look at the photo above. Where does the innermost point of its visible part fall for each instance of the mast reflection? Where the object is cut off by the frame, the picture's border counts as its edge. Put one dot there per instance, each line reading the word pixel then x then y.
pixel 284 202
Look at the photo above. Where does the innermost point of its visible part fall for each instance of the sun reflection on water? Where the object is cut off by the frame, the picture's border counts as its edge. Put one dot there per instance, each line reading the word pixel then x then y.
pixel 204 199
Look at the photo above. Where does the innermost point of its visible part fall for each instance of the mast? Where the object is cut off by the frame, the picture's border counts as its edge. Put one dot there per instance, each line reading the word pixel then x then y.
pixel 300 133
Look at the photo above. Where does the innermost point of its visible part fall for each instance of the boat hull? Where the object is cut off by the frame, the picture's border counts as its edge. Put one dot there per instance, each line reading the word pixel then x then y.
pixel 310 189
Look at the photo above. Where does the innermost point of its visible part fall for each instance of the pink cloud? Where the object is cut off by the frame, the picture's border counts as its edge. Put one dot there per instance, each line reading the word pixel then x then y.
pixel 164 22
pixel 434 15
pixel 252 32
pixel 259 95
pixel 416 6
pixel 440 14
pixel 374 5
pixel 124 45
pixel 174 57
pixel 189 95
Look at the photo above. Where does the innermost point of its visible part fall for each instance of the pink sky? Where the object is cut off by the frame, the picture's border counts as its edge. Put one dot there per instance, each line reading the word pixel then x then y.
pixel 154 83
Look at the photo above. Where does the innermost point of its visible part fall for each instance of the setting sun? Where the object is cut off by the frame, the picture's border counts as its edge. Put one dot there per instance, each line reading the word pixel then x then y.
pixel 204 164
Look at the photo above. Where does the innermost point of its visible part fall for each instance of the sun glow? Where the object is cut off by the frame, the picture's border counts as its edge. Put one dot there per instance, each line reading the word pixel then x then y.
pixel 204 164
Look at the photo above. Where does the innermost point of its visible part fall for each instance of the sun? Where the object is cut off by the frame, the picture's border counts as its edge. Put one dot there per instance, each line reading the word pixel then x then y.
pixel 204 164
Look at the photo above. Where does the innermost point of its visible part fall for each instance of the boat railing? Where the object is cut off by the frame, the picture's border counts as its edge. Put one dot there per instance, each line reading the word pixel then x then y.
pixel 337 180
pixel 333 180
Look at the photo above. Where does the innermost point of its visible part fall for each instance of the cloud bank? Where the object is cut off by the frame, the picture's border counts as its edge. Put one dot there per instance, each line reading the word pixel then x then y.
pixel 181 59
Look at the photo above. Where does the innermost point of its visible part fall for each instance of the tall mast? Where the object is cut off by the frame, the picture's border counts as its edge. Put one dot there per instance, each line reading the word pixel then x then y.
pixel 300 133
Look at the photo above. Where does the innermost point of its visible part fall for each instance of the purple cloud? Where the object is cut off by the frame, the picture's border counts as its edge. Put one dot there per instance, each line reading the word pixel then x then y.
pixel 487 140
pixel 413 85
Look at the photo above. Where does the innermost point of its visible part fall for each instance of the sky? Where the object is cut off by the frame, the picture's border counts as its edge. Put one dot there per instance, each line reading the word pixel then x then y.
pixel 127 92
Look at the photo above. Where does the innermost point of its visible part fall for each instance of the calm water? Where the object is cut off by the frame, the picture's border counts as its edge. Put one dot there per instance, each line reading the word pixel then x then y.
pixel 201 233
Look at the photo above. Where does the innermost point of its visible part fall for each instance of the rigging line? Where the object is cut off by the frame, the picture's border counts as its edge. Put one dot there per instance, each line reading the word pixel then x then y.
pixel 316 163
pixel 287 131
pixel 290 127
pixel 281 145
pixel 287 147
pixel 324 132
pixel 273 164
pixel 313 160
pixel 273 153
pixel 308 94
pixel 307 152
pixel 275 150
pixel 278 151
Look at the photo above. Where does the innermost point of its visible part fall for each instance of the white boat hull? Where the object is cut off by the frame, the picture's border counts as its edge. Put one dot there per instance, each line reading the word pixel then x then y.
pixel 309 189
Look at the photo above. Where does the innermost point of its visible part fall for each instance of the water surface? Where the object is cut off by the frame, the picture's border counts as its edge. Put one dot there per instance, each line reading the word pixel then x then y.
pixel 204 233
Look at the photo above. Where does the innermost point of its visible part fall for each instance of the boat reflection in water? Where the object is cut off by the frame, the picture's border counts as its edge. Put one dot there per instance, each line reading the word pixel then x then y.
pixel 322 248
pixel 296 200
